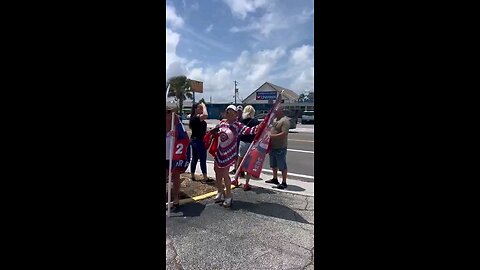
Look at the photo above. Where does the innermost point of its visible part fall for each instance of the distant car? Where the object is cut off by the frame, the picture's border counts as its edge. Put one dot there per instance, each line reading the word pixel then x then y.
pixel 293 121
pixel 308 117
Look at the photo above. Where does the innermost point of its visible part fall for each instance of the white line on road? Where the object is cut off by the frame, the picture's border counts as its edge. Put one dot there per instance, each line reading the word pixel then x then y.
pixel 271 172
pixel 300 140
pixel 301 151
pixel 290 173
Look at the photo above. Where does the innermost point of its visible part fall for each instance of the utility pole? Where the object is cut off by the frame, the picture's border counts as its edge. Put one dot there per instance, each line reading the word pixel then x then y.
pixel 236 90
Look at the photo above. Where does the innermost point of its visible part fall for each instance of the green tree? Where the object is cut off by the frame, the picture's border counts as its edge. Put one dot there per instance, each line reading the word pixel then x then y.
pixel 311 96
pixel 180 89
pixel 307 96
pixel 301 97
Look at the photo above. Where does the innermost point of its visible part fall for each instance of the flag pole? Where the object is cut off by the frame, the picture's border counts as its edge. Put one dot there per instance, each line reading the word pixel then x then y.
pixel 241 163
pixel 170 165
pixel 251 145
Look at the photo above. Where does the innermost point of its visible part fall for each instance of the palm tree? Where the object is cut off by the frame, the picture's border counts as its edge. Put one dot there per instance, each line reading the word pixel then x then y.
pixel 180 89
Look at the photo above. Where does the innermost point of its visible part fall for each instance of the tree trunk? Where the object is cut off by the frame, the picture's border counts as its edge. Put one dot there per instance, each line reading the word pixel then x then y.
pixel 180 102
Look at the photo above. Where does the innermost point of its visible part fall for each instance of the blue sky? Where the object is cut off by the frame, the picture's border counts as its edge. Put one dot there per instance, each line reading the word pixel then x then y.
pixel 250 41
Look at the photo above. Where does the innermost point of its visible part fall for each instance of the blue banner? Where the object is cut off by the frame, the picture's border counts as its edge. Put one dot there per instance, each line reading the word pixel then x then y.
pixel 270 95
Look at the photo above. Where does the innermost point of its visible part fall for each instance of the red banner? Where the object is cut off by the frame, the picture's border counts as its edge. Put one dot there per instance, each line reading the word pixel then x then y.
pixel 255 156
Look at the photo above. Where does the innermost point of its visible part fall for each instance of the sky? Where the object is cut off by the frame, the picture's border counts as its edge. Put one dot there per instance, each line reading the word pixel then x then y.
pixel 250 41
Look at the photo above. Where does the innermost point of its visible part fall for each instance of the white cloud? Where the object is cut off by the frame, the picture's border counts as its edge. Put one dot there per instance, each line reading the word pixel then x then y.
pixel 302 55
pixel 278 19
pixel 209 28
pixel 241 8
pixel 174 63
pixel 301 67
pixel 204 40
pixel 173 18
pixel 250 69
pixel 268 23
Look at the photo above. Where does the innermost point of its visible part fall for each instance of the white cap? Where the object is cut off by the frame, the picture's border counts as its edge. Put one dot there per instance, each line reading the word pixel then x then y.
pixel 231 107
pixel 239 108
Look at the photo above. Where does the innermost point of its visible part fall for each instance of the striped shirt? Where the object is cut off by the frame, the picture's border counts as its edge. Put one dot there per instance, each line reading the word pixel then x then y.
pixel 228 135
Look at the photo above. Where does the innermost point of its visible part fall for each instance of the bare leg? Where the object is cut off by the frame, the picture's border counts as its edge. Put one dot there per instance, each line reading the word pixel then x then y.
pixel 275 170
pixel 218 178
pixel 284 176
pixel 237 163
pixel 228 183
pixel 176 187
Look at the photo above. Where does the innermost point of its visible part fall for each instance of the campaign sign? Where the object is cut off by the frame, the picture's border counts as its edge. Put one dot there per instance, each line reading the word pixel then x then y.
pixel 267 95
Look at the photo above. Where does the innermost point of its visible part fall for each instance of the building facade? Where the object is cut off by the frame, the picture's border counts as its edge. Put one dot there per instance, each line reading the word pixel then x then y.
pixel 262 100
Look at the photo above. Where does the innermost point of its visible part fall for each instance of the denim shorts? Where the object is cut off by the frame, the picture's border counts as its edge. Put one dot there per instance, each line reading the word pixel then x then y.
pixel 278 158
pixel 242 150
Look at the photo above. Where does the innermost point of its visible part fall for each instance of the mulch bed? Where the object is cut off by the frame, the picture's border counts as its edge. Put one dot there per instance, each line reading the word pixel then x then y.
pixel 190 189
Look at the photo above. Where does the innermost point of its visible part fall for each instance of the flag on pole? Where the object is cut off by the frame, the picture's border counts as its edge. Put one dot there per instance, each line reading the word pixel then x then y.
pixel 181 147
pixel 255 156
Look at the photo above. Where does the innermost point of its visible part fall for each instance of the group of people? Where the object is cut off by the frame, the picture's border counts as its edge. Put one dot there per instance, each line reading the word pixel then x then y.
pixel 234 136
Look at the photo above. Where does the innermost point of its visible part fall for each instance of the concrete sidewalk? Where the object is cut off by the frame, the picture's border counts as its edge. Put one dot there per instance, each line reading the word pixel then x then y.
pixel 294 186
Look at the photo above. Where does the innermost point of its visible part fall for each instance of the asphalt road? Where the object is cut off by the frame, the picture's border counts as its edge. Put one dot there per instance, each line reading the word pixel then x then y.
pixel 300 156
pixel 264 229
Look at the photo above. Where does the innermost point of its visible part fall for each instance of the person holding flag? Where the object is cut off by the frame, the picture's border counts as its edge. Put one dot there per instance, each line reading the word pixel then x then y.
pixel 179 153
pixel 227 133
pixel 255 156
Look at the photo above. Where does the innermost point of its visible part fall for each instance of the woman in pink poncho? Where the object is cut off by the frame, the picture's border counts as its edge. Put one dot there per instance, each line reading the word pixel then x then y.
pixel 229 129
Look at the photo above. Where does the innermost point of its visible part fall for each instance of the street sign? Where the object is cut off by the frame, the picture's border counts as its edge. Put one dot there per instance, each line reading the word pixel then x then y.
pixel 267 95
pixel 197 86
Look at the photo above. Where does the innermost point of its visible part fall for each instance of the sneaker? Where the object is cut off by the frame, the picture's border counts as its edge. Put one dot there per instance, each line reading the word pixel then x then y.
pixel 235 183
pixel 233 171
pixel 227 202
pixel 282 186
pixel 219 198
pixel 247 187
pixel 272 181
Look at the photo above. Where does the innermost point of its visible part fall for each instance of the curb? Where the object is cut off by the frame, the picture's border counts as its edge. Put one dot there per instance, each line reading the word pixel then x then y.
pixel 199 197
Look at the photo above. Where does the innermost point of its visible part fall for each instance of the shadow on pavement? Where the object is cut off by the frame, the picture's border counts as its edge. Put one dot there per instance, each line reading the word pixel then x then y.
pixel 189 210
pixel 293 188
pixel 269 209
pixel 259 190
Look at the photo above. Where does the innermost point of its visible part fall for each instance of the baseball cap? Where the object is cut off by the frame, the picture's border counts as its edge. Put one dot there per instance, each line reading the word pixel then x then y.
pixel 231 107
pixel 239 108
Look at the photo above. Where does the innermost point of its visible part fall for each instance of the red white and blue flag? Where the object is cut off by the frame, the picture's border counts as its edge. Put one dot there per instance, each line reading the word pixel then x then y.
pixel 181 147
pixel 255 156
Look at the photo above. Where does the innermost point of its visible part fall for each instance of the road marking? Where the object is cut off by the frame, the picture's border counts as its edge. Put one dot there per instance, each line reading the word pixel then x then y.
pixel 301 151
pixel 271 172
pixel 300 140
pixel 290 174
